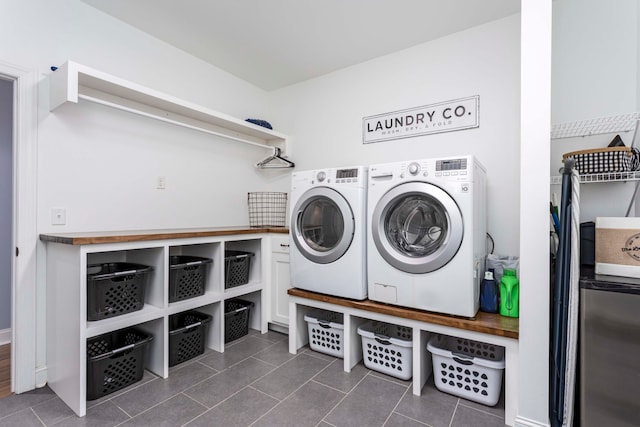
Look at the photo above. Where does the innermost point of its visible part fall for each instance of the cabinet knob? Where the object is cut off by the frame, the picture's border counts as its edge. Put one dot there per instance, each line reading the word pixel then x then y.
pixel 282 245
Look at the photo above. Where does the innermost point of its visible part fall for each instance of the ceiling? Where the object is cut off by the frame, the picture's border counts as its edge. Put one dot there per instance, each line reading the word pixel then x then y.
pixel 276 43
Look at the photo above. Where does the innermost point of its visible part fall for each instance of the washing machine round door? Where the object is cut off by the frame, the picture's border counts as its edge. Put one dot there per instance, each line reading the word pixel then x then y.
pixel 417 227
pixel 322 225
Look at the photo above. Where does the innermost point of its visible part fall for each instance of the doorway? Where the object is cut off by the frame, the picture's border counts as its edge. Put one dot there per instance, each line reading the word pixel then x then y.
pixel 6 230
pixel 27 344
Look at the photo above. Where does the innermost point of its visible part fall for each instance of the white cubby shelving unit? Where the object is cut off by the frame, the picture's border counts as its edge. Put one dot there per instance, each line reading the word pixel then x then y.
pixel 355 317
pixel 68 328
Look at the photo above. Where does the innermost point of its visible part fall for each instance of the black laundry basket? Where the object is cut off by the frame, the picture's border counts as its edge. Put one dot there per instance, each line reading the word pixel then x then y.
pixel 236 319
pixel 115 360
pixel 115 288
pixel 237 268
pixel 187 277
pixel 186 336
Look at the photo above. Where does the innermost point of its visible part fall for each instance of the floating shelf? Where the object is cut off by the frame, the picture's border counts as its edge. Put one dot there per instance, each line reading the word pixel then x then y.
pixel 72 82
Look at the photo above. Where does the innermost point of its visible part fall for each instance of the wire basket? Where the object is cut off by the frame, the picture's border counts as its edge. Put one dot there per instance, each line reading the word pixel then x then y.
pixel 267 209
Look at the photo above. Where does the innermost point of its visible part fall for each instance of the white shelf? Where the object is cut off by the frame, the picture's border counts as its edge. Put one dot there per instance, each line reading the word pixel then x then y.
pixel 72 82
pixel 602 177
pixel 99 327
pixel 597 126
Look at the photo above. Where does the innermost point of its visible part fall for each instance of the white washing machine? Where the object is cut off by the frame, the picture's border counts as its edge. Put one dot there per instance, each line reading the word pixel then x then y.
pixel 427 234
pixel 328 231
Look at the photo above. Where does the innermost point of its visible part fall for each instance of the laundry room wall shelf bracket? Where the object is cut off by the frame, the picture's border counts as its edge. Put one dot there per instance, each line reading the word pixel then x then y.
pixel 72 82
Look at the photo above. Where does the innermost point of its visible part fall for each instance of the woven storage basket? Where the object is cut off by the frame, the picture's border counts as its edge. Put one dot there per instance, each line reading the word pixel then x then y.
pixel 604 160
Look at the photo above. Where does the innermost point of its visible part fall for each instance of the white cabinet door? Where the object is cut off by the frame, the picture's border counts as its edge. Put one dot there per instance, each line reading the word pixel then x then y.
pixel 280 280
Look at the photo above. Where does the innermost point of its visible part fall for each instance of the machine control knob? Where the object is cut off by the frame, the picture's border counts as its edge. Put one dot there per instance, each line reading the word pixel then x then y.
pixel 414 168
pixel 321 176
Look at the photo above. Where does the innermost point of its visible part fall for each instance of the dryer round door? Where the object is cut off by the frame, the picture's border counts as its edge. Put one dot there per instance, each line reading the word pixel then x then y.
pixel 322 225
pixel 417 227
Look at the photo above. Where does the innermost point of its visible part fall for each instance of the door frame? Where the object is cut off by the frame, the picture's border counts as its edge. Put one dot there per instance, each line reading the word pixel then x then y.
pixel 24 293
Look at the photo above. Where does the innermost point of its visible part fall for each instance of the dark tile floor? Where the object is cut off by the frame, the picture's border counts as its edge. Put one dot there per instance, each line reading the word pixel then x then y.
pixel 256 382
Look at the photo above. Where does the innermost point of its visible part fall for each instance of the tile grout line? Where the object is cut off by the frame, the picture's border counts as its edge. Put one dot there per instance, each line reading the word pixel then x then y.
pixel 396 406
pixel 37 416
pixel 151 407
pixel 287 396
pixel 479 410
pixel 412 419
pixel 184 391
pixel 332 388
pixel 343 398
pixel 372 372
pixel 262 392
pixel 454 413
pixel 207 409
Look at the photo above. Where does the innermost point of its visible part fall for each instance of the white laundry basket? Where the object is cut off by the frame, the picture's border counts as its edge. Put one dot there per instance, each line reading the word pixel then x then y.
pixel 469 369
pixel 326 332
pixel 387 348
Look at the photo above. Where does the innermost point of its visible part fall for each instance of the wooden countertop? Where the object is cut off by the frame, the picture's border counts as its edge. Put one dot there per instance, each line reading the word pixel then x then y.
pixel 89 238
pixel 488 323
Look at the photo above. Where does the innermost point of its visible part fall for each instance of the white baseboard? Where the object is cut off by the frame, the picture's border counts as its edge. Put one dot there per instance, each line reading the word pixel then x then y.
pixel 41 376
pixel 5 336
pixel 525 422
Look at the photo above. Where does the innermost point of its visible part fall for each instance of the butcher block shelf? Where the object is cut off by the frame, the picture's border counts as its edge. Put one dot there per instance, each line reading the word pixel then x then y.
pixel 92 238
pixel 487 323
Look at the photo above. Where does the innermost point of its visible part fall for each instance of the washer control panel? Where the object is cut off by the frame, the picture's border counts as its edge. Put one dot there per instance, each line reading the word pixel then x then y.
pixel 351 177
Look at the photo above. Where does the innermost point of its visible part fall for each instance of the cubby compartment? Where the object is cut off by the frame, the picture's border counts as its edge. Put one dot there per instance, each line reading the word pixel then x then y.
pixel 242 257
pixel 256 315
pixel 194 271
pixel 326 332
pixel 187 335
pixel 115 360
pixel 388 348
pixel 123 283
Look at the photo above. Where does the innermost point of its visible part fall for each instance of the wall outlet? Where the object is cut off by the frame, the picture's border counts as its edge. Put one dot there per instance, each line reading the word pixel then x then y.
pixel 58 216
pixel 161 183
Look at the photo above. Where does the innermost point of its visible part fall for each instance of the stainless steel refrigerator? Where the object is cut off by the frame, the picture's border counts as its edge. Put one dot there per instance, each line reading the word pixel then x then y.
pixel 609 352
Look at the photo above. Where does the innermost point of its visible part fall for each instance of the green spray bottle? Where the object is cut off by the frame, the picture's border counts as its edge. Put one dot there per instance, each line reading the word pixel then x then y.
pixel 509 293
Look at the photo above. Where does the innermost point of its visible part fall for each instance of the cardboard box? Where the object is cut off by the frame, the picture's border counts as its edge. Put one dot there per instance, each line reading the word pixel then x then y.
pixel 618 246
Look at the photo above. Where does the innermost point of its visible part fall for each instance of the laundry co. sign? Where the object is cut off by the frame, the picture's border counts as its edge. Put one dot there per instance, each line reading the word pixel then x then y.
pixel 435 118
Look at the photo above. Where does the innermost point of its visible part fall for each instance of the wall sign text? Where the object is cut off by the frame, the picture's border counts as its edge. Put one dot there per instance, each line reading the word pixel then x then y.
pixel 435 118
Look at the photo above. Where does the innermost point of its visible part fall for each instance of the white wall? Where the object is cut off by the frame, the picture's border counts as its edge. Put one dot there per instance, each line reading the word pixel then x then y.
pixel 101 165
pixel 323 116
pixel 6 200
pixel 596 48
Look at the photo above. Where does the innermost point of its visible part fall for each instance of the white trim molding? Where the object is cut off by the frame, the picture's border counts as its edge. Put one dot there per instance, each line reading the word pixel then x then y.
pixel 25 237
pixel 525 422
pixel 5 336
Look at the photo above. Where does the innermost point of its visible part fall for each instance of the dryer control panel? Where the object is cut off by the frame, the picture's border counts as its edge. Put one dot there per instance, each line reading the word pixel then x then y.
pixel 451 167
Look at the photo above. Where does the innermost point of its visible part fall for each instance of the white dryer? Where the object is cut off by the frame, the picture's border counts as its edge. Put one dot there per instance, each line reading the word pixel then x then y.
pixel 328 231
pixel 427 234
